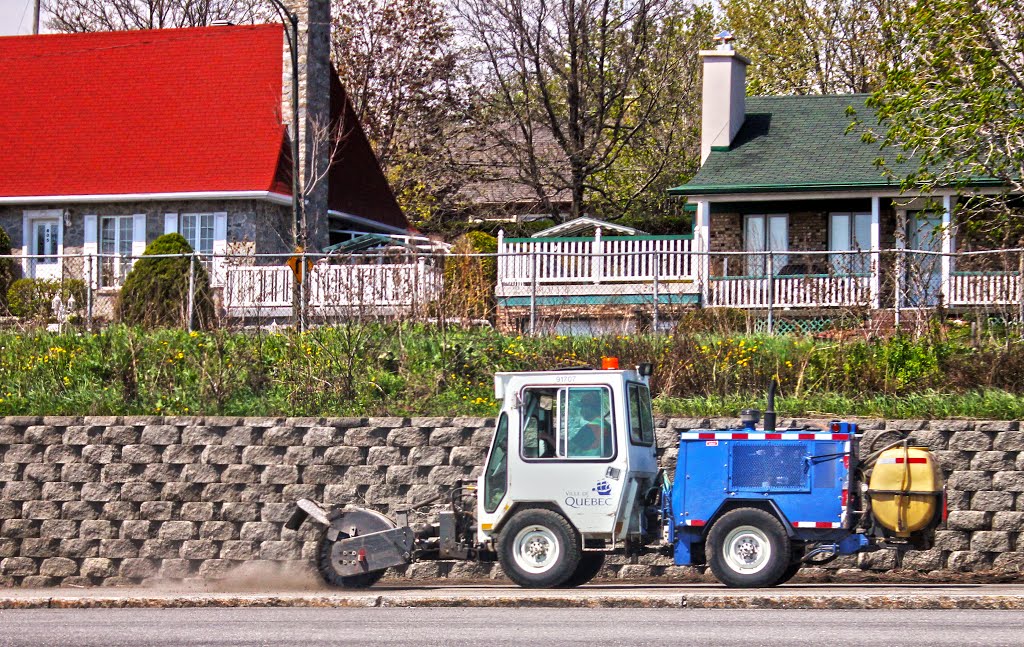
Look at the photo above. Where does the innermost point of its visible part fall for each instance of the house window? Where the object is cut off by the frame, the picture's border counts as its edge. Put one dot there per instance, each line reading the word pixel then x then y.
pixel 116 238
pixel 197 228
pixel 850 232
pixel 765 233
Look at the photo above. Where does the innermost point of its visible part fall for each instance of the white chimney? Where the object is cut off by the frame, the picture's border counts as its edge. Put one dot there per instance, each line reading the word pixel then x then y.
pixel 724 100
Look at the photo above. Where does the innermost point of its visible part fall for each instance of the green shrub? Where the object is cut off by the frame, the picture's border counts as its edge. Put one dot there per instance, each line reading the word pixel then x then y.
pixel 155 292
pixel 6 267
pixel 469 280
pixel 33 298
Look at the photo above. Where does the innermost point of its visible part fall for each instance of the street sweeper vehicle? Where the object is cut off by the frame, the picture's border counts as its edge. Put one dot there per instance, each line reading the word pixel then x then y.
pixel 572 475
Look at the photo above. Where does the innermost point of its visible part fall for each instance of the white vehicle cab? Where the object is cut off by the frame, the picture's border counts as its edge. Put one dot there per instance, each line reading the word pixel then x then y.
pixel 576 446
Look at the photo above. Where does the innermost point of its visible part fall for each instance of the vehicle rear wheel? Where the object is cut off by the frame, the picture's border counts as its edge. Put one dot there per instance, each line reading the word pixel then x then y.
pixel 589 566
pixel 539 548
pixel 748 548
pixel 795 564
pixel 365 522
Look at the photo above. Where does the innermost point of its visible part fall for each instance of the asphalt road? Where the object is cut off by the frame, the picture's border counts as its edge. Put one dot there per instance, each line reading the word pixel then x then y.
pixel 421 627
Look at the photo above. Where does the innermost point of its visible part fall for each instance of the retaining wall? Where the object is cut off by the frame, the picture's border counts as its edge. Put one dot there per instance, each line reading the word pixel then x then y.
pixel 119 501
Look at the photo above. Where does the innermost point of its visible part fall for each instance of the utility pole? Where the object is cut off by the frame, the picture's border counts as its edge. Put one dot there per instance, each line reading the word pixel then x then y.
pixel 298 235
pixel 35 17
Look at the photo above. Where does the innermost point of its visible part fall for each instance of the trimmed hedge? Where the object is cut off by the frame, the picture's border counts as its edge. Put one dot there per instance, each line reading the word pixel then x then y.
pixel 155 292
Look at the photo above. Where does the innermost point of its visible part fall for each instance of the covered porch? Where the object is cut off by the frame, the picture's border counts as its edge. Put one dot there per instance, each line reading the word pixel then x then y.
pixel 871 252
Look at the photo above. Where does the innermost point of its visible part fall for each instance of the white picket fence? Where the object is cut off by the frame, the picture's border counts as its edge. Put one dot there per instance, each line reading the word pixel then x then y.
pixel 626 259
pixel 255 289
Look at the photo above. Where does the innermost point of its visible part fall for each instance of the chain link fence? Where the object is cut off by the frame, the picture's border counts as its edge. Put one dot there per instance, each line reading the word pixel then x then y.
pixel 554 292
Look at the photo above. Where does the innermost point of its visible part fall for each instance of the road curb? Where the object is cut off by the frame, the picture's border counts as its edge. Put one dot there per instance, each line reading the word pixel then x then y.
pixel 675 600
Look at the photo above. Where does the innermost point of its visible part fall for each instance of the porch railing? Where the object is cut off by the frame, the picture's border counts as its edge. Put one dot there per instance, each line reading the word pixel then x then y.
pixel 813 291
pixel 984 288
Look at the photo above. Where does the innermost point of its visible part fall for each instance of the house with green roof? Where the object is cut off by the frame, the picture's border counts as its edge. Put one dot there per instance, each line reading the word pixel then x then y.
pixel 793 211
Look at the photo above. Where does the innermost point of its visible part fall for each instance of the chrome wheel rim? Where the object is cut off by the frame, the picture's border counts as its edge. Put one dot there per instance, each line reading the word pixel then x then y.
pixel 536 549
pixel 747 550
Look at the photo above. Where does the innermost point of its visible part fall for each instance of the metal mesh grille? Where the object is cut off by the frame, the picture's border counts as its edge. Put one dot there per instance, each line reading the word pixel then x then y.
pixel 768 466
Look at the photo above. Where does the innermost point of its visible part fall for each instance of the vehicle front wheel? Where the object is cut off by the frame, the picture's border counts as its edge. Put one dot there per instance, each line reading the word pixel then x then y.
pixel 589 566
pixel 539 548
pixel 748 548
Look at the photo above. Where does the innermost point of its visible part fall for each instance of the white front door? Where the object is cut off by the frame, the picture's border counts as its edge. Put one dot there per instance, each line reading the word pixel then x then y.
pixel 44 242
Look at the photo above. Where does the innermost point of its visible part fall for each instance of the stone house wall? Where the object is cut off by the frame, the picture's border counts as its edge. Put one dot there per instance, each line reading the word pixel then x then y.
pixel 146 500
pixel 257 226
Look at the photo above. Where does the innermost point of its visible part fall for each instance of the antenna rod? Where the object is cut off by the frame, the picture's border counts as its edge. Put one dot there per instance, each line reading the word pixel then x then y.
pixel 769 414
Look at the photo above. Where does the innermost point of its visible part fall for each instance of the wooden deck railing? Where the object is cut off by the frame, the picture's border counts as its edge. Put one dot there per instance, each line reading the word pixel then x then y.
pixel 613 259
pixel 984 288
pixel 332 286
pixel 811 291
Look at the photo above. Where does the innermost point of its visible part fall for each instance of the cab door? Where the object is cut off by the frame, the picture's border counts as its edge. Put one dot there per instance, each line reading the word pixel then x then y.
pixel 569 453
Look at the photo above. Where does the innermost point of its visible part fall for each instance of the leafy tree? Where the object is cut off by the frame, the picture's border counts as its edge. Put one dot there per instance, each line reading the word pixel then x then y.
pixel 116 15
pixel 812 46
pixel 400 64
pixel 951 105
pixel 576 92
pixel 156 291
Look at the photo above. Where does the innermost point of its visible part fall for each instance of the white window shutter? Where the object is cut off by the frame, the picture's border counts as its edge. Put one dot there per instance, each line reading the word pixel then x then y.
pixel 220 246
pixel 138 234
pixel 170 223
pixel 90 248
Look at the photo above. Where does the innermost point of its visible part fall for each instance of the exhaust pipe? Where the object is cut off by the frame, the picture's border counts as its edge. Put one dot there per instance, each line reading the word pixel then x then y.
pixel 769 414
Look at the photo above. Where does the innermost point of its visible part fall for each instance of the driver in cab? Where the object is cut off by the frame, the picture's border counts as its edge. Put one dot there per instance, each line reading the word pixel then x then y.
pixel 590 427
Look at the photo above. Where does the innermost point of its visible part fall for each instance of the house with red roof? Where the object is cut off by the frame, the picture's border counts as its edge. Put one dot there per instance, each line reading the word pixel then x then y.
pixel 111 139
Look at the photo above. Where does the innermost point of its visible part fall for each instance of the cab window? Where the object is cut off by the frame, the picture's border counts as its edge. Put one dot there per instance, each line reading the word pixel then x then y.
pixel 641 421
pixel 496 474
pixel 568 423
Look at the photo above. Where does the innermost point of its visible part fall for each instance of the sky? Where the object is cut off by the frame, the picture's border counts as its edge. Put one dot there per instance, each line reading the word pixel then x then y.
pixel 16 17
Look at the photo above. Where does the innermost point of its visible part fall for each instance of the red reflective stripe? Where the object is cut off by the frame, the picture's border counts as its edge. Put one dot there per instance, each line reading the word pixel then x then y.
pixel 796 524
pixel 739 436
pixel 912 461
pixel 846 461
pixel 773 436
pixel 696 522
pixel 845 497
pixel 806 436
pixel 840 436
pixel 823 524
pixel 705 436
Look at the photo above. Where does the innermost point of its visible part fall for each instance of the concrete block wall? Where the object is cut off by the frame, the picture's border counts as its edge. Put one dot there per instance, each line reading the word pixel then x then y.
pixel 146 500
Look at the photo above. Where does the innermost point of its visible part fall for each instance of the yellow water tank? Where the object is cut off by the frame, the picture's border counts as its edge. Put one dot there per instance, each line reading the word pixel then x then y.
pixel 905 489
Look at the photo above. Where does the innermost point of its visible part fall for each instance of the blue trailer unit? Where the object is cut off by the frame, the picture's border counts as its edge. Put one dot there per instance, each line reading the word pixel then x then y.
pixel 802 478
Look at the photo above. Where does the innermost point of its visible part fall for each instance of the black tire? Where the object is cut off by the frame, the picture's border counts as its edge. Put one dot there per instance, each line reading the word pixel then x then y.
pixel 789 573
pixel 325 567
pixel 748 548
pixel 795 564
pixel 588 568
pixel 542 536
